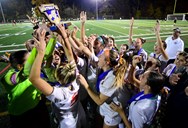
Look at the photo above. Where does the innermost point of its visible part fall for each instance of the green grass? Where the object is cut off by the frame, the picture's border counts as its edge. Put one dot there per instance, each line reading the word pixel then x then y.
pixel 118 28
pixel 16 35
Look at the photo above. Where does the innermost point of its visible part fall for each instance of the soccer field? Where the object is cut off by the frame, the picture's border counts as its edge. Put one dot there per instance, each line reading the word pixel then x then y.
pixel 13 37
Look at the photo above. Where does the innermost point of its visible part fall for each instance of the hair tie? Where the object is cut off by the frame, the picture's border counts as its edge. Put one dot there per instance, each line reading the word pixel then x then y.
pixel 100 39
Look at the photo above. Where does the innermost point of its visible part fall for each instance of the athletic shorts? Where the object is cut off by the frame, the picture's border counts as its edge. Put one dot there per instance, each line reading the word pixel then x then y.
pixel 110 121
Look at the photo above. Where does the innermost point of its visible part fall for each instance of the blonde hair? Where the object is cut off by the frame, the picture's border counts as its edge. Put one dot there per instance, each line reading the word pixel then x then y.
pixel 119 72
pixel 66 73
pixel 118 64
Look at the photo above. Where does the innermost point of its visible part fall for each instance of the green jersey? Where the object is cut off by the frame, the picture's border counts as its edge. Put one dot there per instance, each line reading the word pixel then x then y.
pixel 22 95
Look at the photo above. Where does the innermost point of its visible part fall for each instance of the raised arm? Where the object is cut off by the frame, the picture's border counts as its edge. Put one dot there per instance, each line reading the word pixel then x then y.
pixel 34 76
pixel 131 32
pixel 83 18
pixel 32 20
pixel 82 48
pixel 65 43
pixel 98 99
pixel 159 41
pixel 73 44
pixel 48 52
pixel 131 76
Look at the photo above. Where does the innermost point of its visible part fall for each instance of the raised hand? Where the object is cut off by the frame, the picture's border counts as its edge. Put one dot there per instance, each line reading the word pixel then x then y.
pixel 75 30
pixel 32 20
pixel 62 30
pixel 83 17
pixel 136 60
pixel 157 27
pixel 132 21
pixel 131 31
pixel 68 32
pixel 40 43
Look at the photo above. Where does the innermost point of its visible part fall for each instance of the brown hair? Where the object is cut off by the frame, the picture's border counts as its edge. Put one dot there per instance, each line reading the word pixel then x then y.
pixel 185 55
pixel 118 64
pixel 142 40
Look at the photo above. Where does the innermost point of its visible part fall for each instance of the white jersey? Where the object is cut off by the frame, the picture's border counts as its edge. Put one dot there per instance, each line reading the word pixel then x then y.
pixel 142 112
pixel 65 105
pixel 111 117
pixel 160 56
pixel 144 54
pixel 174 46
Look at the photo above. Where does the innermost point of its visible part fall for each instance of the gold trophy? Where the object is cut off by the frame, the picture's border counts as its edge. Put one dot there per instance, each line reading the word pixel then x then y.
pixel 52 13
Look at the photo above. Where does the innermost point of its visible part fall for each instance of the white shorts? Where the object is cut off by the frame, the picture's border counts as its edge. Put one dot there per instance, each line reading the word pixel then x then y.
pixel 69 122
pixel 109 120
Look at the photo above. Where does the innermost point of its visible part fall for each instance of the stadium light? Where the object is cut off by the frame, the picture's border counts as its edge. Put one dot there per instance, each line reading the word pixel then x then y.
pixel 175 6
pixel 2 13
pixel 97 9
pixel 97 14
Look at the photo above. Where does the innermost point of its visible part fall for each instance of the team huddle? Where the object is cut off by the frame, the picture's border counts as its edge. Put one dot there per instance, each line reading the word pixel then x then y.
pixel 88 80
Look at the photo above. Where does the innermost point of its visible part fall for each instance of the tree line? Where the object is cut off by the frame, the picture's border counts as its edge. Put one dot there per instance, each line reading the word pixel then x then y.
pixel 140 9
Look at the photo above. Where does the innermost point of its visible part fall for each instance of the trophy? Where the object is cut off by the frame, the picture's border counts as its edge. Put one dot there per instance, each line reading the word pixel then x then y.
pixel 51 12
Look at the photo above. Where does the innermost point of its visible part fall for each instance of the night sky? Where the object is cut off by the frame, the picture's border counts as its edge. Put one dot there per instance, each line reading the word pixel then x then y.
pixel 117 8
pixel 181 6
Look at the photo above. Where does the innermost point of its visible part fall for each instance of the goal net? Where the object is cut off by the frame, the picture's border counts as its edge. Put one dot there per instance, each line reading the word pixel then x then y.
pixel 108 16
pixel 177 16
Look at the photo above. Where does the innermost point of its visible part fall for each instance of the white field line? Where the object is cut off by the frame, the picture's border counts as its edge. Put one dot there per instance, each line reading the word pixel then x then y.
pixel 12 27
pixel 164 28
pixel 125 27
pixel 152 37
pixel 4 29
pixel 147 38
pixel 108 29
pixel 147 34
pixel 15 33
pixel 116 41
pixel 12 50
pixel 137 27
pixel 6 46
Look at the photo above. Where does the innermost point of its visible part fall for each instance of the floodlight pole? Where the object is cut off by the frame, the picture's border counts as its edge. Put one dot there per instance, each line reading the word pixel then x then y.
pixel 2 13
pixel 175 6
pixel 97 15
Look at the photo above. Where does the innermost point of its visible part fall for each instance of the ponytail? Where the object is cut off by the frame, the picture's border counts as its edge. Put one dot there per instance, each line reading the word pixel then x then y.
pixel 119 72
pixel 118 64
pixel 142 40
